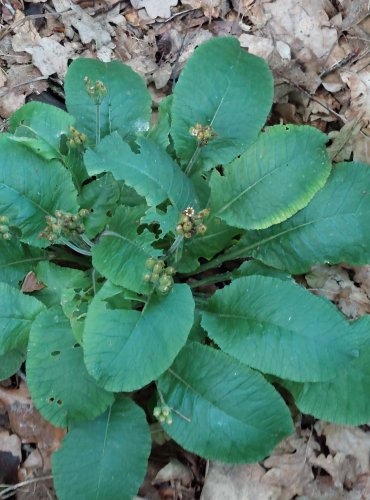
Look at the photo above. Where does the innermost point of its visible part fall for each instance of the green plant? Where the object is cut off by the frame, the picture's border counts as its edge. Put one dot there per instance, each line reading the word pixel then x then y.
pixel 125 228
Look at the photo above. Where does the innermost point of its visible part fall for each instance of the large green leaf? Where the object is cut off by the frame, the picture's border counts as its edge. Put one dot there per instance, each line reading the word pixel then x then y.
pixel 222 410
pixel 217 237
pixel 333 228
pixel 31 188
pixel 100 196
pixel 151 172
pixel 10 363
pixel 126 107
pixel 345 399
pixel 121 252
pixel 224 87
pixel 17 313
pixel 16 260
pixel 127 349
pixel 111 453
pixel 60 385
pixel 279 328
pixel 40 127
pixel 277 176
pixel 56 280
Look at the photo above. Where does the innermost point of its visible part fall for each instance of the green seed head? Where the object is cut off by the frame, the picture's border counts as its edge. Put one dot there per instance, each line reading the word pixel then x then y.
pixel 154 277
pixel 4 219
pixel 187 235
pixel 166 280
pixel 150 263
pixel 147 277
pixel 179 229
pixel 166 410
pixel 158 267
pixel 4 228
pixel 7 236
pixel 157 411
pixel 161 418
pixel 171 271
pixel 201 229
pixel 169 420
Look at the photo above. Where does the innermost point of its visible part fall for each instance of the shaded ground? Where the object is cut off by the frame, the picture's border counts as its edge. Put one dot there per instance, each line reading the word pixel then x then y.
pixel 319 53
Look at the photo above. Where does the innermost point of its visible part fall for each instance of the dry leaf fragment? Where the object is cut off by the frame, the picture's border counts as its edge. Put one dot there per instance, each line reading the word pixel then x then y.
pixel 174 471
pixel 155 8
pixel 351 441
pixel 28 424
pixel 30 283
pixel 10 457
pixel 237 482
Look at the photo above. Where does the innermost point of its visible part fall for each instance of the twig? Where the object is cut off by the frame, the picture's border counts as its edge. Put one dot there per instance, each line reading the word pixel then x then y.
pixel 12 487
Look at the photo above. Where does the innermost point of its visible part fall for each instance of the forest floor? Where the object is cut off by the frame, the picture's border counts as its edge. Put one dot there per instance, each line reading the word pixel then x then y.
pixel 319 52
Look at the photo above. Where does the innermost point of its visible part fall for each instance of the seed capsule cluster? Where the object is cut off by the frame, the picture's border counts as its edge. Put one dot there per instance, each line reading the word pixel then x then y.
pixel 202 133
pixel 159 275
pixel 163 414
pixel 96 90
pixel 191 223
pixel 5 233
pixel 76 139
pixel 64 224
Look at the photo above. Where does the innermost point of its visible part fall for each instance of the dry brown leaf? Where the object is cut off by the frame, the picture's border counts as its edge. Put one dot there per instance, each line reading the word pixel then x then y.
pixel 358 10
pixel 155 8
pixel 10 456
pixel 49 57
pixel 334 283
pixel 28 424
pixel 289 465
pixel 211 8
pixel 237 482
pixel 350 441
pixel 304 26
pixel 339 467
pixel 174 471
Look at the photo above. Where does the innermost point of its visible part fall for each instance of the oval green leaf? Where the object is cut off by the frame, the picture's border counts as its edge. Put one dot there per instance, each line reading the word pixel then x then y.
pixel 127 349
pixel 151 172
pixel 17 313
pixel 279 328
pixel 31 188
pixel 126 108
pixel 277 176
pixel 121 253
pixel 222 410
pixel 59 383
pixel 115 449
pixel 10 363
pixel 42 127
pixel 333 228
pixel 345 399
pixel 226 88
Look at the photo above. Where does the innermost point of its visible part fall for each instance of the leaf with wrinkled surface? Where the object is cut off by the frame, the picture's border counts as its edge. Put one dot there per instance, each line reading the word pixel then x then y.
pixel 226 88
pixel 127 349
pixel 125 108
pixel 278 327
pixel 17 313
pixel 277 176
pixel 57 378
pixel 332 228
pixel 223 410
pixel 118 444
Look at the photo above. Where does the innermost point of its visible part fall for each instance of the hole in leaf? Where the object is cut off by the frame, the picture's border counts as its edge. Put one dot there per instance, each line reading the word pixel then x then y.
pixel 59 402
pixel 55 353
pixel 51 400
pixel 77 345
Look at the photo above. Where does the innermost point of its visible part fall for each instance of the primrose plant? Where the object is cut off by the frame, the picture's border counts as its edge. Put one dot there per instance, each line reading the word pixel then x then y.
pixel 162 256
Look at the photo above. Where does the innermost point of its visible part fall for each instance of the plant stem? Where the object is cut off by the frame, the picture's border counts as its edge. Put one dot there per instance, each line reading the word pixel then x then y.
pixel 210 280
pixel 192 160
pixel 76 248
pixel 86 240
pixel 97 135
pixel 175 244
pixel 234 253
